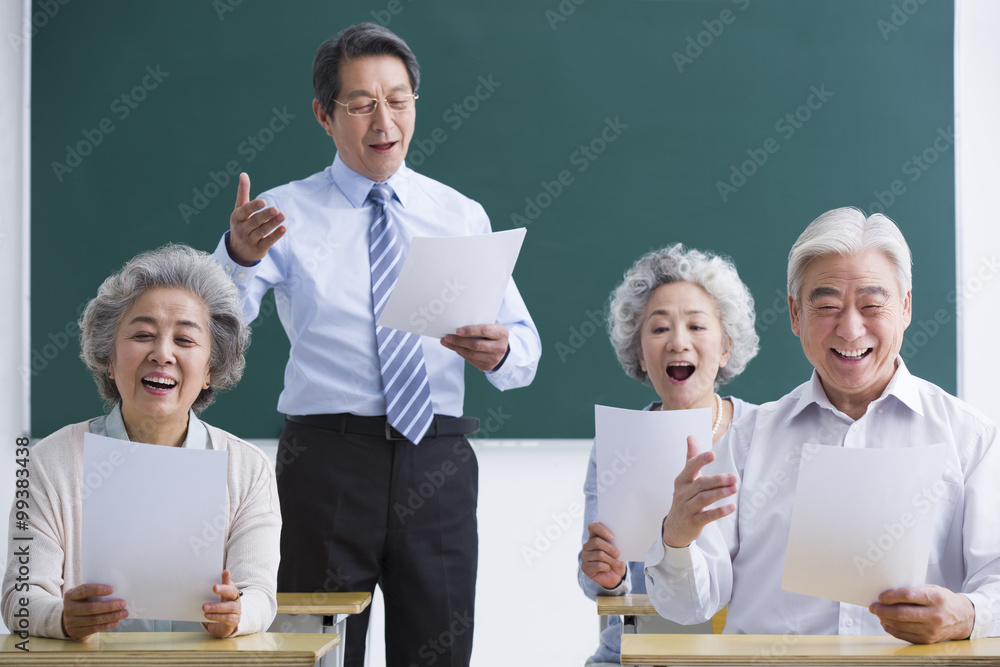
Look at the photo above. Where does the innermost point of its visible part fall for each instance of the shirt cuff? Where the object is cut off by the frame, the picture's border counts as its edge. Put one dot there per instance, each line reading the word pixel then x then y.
pixel 985 623
pixel 620 589
pixel 655 552
pixel 241 275
pixel 507 376
pixel 668 558
pixel 678 559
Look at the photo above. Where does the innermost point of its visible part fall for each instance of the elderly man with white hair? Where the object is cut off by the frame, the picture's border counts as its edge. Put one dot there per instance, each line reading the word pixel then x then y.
pixel 849 296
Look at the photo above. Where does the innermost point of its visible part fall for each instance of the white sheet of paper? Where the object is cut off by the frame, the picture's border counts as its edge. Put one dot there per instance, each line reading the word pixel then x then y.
pixel 154 525
pixel 452 282
pixel 639 454
pixel 861 523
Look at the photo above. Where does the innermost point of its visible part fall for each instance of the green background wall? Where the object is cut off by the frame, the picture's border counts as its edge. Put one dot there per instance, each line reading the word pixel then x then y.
pixel 694 89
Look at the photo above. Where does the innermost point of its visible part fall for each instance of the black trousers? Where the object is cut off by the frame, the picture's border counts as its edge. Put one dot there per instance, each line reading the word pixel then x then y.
pixel 360 510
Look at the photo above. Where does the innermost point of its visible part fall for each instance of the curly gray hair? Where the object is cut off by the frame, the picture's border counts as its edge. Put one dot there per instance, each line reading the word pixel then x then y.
pixel 715 274
pixel 177 266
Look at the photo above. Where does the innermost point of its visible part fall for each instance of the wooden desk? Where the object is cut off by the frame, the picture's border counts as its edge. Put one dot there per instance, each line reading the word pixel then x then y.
pixel 330 604
pixel 638 604
pixel 625 605
pixel 334 608
pixel 801 650
pixel 185 649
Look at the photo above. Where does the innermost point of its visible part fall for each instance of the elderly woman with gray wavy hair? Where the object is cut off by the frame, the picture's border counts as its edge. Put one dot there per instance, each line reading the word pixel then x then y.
pixel 161 338
pixel 681 322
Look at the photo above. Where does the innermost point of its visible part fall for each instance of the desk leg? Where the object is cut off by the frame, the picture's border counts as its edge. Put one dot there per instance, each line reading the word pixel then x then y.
pixel 334 624
pixel 629 625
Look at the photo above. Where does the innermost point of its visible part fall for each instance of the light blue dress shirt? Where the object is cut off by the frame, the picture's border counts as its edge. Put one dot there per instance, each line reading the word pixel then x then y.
pixel 322 286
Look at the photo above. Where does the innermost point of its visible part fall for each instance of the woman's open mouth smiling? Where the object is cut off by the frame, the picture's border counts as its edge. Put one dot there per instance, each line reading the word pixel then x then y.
pixel 679 371
pixel 160 384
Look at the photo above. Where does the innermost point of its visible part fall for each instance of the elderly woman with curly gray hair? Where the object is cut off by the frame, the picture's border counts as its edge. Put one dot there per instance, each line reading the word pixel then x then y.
pixel 681 322
pixel 162 337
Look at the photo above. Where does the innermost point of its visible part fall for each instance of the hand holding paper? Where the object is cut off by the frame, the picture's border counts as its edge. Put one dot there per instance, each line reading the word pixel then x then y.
pixel 482 345
pixel 925 614
pixel 599 557
pixel 83 616
pixel 223 617
pixel 153 525
pixel 452 282
pixel 639 455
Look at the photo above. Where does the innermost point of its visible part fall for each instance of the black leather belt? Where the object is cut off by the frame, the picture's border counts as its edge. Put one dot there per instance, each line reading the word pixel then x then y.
pixel 379 425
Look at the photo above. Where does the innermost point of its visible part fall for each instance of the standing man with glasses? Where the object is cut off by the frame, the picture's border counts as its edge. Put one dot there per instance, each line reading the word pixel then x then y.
pixel 377 481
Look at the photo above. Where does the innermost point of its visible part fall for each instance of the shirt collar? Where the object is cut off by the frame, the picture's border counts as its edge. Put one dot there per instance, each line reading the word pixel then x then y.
pixel 356 187
pixel 114 427
pixel 902 386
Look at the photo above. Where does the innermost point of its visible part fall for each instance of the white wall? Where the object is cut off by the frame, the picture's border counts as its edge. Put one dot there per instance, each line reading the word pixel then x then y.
pixel 14 256
pixel 529 608
pixel 977 174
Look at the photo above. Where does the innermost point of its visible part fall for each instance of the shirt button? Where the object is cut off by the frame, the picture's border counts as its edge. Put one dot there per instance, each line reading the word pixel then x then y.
pixel 854 427
pixel 849 622
pixel 881 410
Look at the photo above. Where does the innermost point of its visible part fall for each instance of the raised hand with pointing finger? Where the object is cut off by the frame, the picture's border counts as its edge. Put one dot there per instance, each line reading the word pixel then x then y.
pixel 253 227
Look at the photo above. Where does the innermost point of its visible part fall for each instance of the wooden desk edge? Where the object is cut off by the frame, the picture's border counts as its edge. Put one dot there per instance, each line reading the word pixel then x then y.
pixel 636 604
pixel 732 650
pixel 338 603
pixel 149 648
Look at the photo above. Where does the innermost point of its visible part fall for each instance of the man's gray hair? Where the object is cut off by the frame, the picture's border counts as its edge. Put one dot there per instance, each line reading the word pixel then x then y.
pixel 174 266
pixel 846 231
pixel 359 41
pixel 715 274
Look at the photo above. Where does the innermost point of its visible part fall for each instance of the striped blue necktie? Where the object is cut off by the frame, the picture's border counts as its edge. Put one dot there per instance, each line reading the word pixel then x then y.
pixel 404 375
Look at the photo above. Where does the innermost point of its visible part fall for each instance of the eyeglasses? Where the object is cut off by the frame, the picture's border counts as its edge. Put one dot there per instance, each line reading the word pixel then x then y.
pixel 366 106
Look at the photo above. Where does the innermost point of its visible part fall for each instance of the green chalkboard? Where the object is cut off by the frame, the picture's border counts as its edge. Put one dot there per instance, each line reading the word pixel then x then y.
pixel 607 127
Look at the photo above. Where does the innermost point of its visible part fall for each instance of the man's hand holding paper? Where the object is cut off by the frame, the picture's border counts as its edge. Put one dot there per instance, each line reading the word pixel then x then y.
pixel 448 284
pixel 482 345
pixel 925 614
